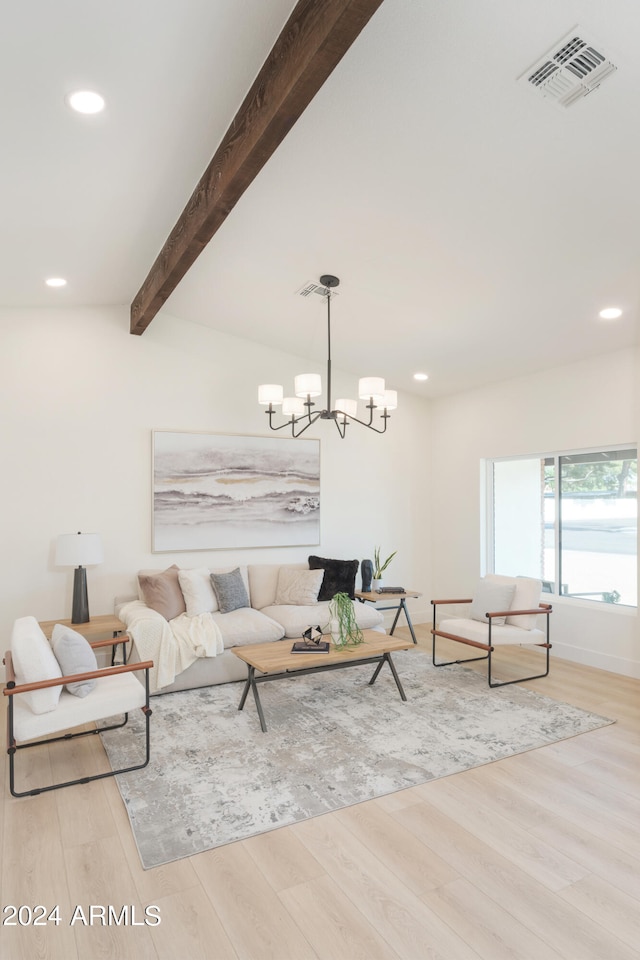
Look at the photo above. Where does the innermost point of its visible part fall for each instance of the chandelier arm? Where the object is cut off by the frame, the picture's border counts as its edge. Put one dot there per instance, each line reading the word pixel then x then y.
pixel 341 427
pixel 363 423
pixel 292 423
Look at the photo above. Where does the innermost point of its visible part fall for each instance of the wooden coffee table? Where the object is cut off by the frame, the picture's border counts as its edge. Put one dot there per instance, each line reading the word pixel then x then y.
pixel 276 662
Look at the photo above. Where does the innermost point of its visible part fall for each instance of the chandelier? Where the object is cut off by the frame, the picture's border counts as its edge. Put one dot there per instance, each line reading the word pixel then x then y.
pixel 299 409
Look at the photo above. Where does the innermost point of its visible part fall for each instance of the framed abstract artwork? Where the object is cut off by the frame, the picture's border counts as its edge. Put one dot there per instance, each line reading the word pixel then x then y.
pixel 213 492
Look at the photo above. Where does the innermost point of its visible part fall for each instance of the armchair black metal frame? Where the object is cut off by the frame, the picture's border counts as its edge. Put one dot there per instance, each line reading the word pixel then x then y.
pixel 489 647
pixel 12 689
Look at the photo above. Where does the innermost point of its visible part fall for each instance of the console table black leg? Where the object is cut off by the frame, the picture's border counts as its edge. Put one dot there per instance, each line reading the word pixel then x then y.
pixel 392 667
pixel 395 619
pixel 409 624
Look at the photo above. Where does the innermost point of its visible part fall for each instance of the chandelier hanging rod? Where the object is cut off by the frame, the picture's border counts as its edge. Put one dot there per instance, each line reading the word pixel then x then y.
pixel 308 385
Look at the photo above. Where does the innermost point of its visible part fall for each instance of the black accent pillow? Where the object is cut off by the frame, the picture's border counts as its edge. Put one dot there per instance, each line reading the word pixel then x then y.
pixel 339 576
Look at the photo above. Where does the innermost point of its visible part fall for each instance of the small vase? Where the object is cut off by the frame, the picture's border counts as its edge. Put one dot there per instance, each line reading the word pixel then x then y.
pixel 366 569
pixel 376 584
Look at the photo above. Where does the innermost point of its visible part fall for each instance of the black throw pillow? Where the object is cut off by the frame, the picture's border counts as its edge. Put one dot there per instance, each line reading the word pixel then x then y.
pixel 339 576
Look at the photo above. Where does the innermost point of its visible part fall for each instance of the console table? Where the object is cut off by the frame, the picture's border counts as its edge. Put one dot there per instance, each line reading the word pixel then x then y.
pixel 399 603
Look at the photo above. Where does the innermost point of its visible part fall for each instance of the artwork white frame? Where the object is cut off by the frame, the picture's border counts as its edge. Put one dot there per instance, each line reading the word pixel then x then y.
pixel 217 491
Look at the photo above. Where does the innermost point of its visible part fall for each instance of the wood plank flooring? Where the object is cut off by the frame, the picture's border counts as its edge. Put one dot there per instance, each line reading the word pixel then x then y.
pixel 536 857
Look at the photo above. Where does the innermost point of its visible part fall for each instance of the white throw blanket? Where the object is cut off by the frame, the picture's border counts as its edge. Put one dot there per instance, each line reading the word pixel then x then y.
pixel 172 646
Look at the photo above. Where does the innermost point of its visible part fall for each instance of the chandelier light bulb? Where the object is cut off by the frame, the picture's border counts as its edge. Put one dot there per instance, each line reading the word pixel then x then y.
pixel 308 385
pixel 293 406
pixel 270 393
pixel 371 387
pixel 390 401
pixel 350 407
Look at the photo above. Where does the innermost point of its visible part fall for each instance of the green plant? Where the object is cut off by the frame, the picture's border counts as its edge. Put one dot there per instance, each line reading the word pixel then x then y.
pixel 341 610
pixel 378 567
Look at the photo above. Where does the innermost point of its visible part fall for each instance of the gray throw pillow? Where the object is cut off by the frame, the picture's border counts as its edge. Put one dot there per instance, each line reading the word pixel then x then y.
pixel 230 590
pixel 490 596
pixel 75 655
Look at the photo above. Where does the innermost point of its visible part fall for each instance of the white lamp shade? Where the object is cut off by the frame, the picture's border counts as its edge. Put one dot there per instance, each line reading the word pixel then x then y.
pixel 390 400
pixel 350 407
pixel 293 406
pixel 78 549
pixel 371 387
pixel 308 385
pixel 270 393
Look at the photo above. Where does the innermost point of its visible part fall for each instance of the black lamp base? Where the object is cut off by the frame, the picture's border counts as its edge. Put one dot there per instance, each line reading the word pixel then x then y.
pixel 80 611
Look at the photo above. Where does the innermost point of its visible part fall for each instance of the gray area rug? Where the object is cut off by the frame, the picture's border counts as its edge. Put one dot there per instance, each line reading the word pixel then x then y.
pixel 332 741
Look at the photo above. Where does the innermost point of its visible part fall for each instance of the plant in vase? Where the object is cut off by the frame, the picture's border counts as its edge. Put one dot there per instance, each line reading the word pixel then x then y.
pixel 345 631
pixel 379 566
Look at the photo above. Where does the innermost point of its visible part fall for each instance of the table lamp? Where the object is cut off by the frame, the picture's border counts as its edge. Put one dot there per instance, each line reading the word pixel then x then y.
pixel 79 550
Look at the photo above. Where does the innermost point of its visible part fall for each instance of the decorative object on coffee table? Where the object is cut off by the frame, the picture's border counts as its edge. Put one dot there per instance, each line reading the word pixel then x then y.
pixel 366 569
pixel 379 567
pixel 345 631
pixel 312 642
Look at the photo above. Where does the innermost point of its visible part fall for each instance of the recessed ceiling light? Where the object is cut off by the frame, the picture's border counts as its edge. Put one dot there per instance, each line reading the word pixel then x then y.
pixel 56 282
pixel 611 313
pixel 421 376
pixel 86 101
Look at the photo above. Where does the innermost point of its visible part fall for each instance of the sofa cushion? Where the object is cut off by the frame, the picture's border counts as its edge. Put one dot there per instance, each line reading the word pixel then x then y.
pixel 247 625
pixel 296 619
pixel 33 660
pixel 198 591
pixel 162 592
pixel 339 576
pixel 492 595
pixel 526 597
pixel 263 581
pixel 299 587
pixel 230 591
pixel 474 630
pixel 75 654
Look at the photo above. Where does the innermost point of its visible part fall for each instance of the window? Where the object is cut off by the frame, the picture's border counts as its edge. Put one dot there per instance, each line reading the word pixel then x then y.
pixel 569 519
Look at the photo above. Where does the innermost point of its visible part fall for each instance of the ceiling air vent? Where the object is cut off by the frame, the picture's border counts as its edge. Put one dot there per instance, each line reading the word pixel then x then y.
pixel 573 68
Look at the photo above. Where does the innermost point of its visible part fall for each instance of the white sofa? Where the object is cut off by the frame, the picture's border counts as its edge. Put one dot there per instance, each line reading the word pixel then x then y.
pixel 178 646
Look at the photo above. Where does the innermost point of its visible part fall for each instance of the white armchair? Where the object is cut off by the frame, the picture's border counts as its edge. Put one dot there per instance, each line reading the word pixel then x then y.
pixel 504 610
pixel 39 703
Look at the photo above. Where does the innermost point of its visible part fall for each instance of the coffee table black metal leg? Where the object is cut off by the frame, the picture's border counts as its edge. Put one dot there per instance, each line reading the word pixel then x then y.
pixel 392 667
pixel 377 671
pixel 256 697
pixel 243 698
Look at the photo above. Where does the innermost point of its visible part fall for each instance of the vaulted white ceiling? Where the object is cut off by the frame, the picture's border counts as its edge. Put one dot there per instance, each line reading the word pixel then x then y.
pixel 477 228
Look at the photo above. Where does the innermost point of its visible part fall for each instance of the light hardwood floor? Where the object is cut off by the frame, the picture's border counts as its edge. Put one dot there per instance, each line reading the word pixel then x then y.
pixel 536 857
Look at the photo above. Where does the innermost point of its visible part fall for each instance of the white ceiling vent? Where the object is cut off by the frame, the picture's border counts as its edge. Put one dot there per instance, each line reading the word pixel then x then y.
pixel 313 289
pixel 570 70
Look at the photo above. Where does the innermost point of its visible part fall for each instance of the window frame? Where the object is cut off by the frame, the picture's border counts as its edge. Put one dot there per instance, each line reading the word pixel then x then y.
pixel 487 538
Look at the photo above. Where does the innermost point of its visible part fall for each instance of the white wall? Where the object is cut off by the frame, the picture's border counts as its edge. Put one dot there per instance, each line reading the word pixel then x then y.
pixel 80 397
pixel 588 404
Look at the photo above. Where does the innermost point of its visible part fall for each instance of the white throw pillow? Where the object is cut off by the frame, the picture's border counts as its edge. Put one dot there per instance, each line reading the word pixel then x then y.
pixel 490 596
pixel 33 660
pixel 298 587
pixel 74 654
pixel 197 591
pixel 526 597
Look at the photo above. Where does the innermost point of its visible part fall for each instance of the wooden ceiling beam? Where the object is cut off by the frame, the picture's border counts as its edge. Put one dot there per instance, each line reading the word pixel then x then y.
pixel 313 41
